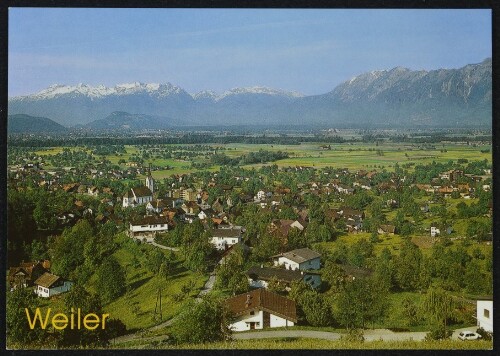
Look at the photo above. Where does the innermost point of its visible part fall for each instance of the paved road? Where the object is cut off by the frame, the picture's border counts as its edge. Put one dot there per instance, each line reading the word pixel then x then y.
pixel 208 286
pixel 369 335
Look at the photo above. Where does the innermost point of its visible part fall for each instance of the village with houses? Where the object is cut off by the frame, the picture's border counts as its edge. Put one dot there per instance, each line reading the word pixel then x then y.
pixel 279 246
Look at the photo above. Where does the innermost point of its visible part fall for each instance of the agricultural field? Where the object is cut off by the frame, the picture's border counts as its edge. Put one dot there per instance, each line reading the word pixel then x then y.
pixel 352 155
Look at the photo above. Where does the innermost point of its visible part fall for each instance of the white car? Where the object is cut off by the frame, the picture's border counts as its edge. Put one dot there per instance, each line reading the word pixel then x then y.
pixel 468 335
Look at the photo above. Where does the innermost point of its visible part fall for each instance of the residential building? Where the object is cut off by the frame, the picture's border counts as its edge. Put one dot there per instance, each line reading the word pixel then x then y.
pixel 434 231
pixel 49 284
pixel 484 314
pixel 259 309
pixel 148 226
pixel 222 239
pixel 25 274
pixel 387 229
pixel 259 277
pixel 302 259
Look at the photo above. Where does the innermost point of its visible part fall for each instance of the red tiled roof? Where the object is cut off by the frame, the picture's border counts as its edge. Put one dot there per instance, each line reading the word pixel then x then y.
pixel 262 299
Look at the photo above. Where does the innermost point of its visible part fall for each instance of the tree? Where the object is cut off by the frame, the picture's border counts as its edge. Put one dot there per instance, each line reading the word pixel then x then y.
pixel 231 274
pixel 78 297
pixel 268 246
pixel 164 271
pixel 438 306
pixel 197 254
pixel 475 280
pixel 316 309
pixel 18 330
pixel 407 266
pixel 66 250
pixel 38 251
pixel 273 285
pixel 360 251
pixel 362 301
pixel 410 311
pixel 206 321
pixel 384 270
pixel 155 258
pixel 111 281
pixel 334 275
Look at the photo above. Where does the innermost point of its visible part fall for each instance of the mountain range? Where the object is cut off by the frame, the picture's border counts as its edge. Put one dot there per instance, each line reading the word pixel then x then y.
pixel 398 97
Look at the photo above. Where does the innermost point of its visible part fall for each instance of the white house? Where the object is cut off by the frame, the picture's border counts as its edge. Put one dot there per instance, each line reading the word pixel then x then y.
pixel 302 258
pixel 434 231
pixel 148 226
pixel 260 308
pixel 259 277
pixel 49 284
pixel 225 238
pixel 484 310
pixel 261 195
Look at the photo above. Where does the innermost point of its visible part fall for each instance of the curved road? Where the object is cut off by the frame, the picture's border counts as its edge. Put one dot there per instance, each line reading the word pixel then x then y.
pixel 369 335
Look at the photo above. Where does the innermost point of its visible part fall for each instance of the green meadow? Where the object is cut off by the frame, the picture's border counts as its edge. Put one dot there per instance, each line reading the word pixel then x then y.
pixel 353 155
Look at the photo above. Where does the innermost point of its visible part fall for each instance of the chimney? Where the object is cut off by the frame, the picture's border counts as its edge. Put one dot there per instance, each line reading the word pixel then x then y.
pixel 261 265
pixel 247 303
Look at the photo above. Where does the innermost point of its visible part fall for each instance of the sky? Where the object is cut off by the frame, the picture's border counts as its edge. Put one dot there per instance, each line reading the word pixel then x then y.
pixel 306 50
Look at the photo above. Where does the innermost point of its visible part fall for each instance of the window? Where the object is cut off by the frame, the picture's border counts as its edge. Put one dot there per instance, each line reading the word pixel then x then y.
pixel 252 313
pixel 486 313
pixel 257 324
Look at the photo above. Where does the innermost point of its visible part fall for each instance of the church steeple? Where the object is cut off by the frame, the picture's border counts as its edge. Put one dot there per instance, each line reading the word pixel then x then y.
pixel 150 181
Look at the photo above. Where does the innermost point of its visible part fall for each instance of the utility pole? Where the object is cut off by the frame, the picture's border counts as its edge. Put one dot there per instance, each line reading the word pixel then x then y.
pixel 158 306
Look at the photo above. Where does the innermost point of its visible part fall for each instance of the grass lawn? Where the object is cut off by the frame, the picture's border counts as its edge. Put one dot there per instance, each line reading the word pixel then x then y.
pixel 136 308
pixel 392 242
pixel 308 343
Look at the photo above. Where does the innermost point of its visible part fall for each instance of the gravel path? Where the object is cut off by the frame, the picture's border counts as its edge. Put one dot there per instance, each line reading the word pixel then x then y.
pixel 163 247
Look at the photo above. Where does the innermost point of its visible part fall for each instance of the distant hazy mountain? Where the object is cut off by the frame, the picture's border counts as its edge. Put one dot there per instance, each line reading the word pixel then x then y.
pixel 30 124
pixel 397 97
pixel 120 120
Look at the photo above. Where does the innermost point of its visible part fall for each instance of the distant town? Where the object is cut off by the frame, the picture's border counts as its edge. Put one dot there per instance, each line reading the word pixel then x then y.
pixel 343 234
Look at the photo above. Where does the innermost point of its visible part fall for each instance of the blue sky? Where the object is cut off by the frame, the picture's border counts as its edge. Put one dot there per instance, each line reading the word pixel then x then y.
pixel 310 51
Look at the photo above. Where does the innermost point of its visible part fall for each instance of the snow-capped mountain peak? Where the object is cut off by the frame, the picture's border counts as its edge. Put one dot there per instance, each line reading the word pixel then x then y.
pixel 205 94
pixel 260 90
pixel 58 90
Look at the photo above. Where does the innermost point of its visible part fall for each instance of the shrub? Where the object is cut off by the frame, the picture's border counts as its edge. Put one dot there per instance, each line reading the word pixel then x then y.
pixel 353 335
pixel 485 335
pixel 438 332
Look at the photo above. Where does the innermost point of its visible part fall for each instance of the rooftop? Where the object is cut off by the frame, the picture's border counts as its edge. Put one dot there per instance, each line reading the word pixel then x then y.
pixel 262 299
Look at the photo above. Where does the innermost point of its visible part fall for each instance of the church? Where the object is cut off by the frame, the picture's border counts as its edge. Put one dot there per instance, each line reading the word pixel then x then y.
pixel 141 195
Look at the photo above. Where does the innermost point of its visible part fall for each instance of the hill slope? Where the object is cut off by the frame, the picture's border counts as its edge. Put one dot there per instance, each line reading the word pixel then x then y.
pixel 30 124
pixel 120 120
